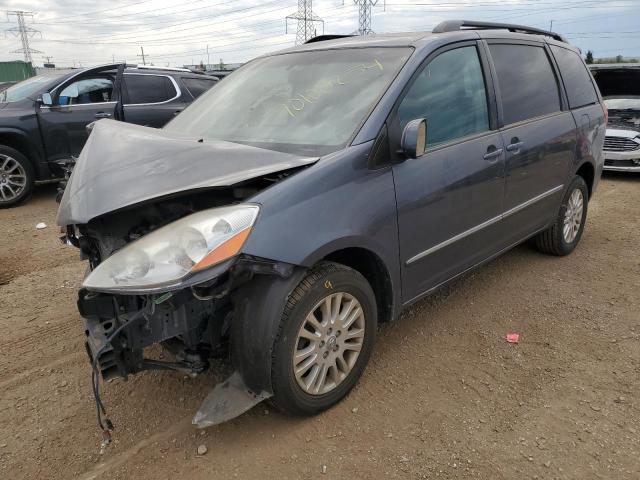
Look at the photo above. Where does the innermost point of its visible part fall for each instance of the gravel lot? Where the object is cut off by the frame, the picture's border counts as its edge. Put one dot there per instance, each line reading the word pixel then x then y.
pixel 443 397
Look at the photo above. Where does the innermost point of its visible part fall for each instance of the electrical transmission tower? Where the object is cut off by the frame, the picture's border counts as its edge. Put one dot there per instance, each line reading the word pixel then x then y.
pixel 306 21
pixel 364 15
pixel 24 33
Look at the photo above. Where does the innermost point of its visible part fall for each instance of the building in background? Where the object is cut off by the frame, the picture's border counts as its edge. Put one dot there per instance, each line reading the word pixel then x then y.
pixel 15 71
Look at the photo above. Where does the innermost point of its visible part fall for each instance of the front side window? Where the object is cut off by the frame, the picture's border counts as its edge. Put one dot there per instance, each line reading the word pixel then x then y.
pixel 148 89
pixel 527 83
pixel 306 102
pixel 450 93
pixel 580 89
pixel 87 90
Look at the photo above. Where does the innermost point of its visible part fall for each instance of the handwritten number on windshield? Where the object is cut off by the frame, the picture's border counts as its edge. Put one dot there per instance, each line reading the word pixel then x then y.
pixel 325 87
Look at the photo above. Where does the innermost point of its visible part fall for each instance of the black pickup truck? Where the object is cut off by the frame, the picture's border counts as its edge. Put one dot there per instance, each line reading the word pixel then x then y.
pixel 43 119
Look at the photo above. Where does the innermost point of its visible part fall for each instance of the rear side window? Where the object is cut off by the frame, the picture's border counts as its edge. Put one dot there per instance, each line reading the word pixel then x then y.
pixel 580 89
pixel 197 86
pixel 148 88
pixel 451 95
pixel 528 85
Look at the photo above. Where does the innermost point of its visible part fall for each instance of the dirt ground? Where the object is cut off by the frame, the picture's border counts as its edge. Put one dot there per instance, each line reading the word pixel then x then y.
pixel 445 396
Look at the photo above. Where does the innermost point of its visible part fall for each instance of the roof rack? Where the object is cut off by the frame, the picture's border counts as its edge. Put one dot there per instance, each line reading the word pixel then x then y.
pixel 153 67
pixel 455 25
pixel 323 38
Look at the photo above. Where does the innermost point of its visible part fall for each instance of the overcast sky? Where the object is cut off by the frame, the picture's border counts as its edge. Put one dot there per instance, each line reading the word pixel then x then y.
pixel 77 32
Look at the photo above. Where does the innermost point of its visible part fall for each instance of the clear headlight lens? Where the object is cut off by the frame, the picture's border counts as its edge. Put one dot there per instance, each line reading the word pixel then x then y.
pixel 175 251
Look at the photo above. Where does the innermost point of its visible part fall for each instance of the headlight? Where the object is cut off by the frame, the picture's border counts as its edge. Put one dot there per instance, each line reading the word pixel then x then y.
pixel 176 251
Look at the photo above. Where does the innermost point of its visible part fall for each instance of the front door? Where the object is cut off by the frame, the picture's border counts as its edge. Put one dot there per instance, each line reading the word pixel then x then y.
pixel 449 199
pixel 82 99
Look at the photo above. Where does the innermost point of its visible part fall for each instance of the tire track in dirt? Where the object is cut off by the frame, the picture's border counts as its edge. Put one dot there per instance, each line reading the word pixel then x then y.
pixel 115 462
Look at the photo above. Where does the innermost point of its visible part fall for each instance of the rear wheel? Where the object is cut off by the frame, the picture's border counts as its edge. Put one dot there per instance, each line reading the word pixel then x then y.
pixel 325 339
pixel 565 233
pixel 16 177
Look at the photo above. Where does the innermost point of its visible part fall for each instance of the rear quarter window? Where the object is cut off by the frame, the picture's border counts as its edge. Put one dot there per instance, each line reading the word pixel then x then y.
pixel 527 82
pixel 577 81
pixel 197 86
pixel 148 88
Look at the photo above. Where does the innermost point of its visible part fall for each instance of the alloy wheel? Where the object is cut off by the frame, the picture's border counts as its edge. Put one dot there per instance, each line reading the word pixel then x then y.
pixel 13 178
pixel 573 216
pixel 329 343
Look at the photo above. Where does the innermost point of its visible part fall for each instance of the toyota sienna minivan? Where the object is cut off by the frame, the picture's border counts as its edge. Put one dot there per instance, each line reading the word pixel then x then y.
pixel 318 192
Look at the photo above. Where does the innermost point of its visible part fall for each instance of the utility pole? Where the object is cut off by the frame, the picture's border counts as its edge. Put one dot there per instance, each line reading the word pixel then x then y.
pixel 144 61
pixel 306 21
pixel 24 33
pixel 208 63
pixel 364 15
pixel 551 26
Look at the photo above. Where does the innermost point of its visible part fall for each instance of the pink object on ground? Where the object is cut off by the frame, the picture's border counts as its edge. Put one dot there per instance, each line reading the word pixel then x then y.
pixel 513 337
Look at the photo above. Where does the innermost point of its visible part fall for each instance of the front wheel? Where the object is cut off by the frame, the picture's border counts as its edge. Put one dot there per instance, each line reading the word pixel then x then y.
pixel 325 339
pixel 564 234
pixel 16 177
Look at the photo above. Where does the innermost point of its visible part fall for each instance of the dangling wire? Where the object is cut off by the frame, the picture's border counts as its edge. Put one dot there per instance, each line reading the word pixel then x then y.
pixel 106 425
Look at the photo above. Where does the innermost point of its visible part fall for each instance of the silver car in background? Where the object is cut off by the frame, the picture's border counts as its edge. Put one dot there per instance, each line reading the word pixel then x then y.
pixel 620 87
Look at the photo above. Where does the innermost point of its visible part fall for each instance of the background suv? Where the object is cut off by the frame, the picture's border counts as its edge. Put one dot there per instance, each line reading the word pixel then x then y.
pixel 43 119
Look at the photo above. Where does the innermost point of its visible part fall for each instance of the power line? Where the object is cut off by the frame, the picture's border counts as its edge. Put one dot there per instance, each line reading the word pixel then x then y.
pixel 24 32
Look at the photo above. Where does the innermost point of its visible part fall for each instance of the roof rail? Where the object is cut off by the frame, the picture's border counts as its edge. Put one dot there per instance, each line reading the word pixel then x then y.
pixel 455 25
pixel 322 38
pixel 153 67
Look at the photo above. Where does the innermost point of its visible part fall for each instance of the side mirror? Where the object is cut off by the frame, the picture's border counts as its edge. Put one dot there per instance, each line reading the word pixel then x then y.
pixel 46 99
pixel 414 138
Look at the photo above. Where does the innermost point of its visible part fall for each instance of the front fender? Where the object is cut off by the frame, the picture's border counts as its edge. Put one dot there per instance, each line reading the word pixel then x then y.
pixel 258 307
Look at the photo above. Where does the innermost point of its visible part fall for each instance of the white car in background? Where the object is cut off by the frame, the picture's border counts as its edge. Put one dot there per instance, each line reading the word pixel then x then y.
pixel 620 87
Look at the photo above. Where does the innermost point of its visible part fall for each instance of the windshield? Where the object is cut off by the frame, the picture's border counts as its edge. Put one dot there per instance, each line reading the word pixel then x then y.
pixel 26 88
pixel 622 103
pixel 307 102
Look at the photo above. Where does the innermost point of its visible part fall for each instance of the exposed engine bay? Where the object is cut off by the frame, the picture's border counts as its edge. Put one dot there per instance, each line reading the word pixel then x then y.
pixel 190 315
pixel 192 323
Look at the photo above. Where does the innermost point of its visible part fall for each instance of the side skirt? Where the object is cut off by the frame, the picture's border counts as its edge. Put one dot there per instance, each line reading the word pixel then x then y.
pixel 473 267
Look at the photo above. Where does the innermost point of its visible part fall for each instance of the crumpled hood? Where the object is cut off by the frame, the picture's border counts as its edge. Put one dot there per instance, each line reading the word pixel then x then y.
pixel 123 164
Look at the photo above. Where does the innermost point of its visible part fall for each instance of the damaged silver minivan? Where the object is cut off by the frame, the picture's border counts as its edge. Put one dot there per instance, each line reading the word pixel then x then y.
pixel 314 194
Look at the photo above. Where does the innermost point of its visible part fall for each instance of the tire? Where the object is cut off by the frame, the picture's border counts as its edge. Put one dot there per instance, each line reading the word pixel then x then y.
pixel 340 285
pixel 16 177
pixel 554 240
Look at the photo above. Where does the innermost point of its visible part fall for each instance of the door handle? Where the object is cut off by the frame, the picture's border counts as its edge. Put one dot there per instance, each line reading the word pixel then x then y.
pixel 515 145
pixel 102 115
pixel 492 154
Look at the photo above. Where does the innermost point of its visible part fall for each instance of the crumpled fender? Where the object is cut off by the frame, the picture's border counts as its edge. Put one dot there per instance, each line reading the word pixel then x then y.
pixel 258 307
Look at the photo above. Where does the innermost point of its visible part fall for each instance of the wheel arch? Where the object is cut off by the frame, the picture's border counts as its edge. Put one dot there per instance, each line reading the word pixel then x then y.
pixel 374 270
pixel 19 140
pixel 588 172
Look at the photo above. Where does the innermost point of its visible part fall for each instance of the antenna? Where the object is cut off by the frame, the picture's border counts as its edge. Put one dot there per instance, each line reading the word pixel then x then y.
pixel 24 33
pixel 306 21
